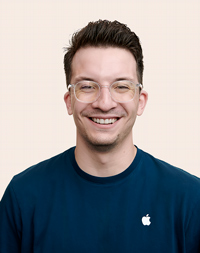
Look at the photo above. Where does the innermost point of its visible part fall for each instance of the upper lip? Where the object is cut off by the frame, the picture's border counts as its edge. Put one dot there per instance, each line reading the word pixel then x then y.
pixel 104 117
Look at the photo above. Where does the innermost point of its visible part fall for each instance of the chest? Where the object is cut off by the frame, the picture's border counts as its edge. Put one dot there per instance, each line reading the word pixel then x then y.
pixel 106 219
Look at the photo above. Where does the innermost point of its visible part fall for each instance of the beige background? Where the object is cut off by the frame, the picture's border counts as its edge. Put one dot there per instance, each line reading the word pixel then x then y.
pixel 34 122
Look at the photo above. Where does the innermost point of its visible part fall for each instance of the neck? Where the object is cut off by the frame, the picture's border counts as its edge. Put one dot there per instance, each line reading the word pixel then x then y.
pixel 104 162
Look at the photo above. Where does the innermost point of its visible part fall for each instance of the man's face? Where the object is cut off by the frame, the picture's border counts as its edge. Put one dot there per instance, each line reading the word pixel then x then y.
pixel 104 66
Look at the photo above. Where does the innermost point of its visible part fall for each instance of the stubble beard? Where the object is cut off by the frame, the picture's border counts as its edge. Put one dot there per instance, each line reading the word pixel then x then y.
pixel 102 146
pixel 98 144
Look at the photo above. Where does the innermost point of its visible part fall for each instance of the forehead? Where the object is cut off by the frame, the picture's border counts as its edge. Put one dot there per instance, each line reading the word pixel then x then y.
pixel 104 63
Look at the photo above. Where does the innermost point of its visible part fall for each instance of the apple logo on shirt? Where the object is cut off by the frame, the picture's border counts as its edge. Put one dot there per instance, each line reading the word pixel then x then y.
pixel 146 220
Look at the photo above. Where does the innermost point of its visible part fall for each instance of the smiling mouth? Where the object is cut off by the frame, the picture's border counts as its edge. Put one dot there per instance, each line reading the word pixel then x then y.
pixel 104 121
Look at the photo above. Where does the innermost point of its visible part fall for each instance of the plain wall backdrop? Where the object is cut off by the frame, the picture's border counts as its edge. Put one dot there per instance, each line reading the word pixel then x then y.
pixel 34 124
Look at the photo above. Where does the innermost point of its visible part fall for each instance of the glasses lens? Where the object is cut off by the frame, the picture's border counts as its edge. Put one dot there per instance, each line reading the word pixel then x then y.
pixel 87 91
pixel 123 91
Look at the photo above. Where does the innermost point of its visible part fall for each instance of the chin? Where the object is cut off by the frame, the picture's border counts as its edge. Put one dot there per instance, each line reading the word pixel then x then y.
pixel 102 146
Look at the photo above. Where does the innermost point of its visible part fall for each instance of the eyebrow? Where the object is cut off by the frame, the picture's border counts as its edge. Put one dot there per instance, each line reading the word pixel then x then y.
pixel 124 78
pixel 81 78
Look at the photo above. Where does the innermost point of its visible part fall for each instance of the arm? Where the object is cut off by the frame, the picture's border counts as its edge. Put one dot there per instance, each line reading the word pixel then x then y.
pixel 193 231
pixel 10 223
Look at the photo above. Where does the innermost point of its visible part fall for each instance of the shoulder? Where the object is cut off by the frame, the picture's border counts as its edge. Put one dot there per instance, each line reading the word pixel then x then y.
pixel 166 168
pixel 43 172
pixel 170 177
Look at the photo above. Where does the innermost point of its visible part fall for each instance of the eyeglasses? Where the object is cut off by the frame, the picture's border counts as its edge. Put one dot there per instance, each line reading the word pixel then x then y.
pixel 121 91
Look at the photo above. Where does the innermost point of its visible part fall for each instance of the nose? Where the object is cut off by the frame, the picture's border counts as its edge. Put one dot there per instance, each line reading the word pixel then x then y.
pixel 105 101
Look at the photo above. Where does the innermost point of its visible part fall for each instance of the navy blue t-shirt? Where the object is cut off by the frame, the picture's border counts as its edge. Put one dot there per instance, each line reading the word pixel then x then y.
pixel 54 206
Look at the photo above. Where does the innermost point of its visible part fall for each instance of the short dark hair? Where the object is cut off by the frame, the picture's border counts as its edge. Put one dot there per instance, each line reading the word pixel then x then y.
pixel 104 33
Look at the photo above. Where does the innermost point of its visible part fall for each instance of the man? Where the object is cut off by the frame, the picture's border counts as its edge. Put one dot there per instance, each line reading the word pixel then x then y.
pixel 105 194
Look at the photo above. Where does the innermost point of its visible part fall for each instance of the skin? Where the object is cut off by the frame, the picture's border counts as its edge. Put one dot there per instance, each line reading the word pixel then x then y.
pixel 104 150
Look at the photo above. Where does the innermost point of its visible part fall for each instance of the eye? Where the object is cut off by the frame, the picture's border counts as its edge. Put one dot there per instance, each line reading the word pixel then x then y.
pixel 121 87
pixel 87 87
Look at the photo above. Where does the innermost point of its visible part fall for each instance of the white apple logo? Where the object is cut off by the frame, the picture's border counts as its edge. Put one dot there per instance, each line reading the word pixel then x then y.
pixel 146 220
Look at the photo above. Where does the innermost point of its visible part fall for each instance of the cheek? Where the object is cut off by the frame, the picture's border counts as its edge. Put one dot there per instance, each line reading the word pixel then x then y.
pixel 132 115
pixel 77 109
pixel 77 120
pixel 74 106
pixel 131 109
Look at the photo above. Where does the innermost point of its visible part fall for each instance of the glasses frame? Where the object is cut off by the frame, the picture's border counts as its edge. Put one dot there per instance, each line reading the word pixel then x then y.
pixel 139 85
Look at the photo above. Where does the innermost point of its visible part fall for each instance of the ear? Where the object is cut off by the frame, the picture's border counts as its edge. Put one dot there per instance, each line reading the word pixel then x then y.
pixel 142 102
pixel 68 102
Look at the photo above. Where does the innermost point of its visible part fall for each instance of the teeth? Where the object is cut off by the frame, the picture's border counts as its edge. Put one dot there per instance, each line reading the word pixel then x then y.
pixel 101 121
pixel 104 121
